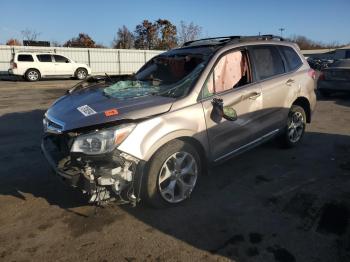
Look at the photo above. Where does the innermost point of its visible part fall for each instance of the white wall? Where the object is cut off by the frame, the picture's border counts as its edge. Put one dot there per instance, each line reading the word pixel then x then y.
pixel 101 60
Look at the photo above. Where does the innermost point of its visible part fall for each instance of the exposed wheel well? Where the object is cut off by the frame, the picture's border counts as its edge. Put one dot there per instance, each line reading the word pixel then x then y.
pixel 304 103
pixel 199 147
pixel 76 70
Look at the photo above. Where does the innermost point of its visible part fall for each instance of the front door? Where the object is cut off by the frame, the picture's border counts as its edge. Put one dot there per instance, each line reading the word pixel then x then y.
pixel 231 81
pixel 63 66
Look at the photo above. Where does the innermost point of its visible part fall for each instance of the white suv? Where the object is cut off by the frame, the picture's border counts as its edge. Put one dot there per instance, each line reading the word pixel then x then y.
pixel 34 66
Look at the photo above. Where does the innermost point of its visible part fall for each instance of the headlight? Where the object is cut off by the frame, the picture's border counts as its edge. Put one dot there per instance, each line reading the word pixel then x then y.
pixel 102 141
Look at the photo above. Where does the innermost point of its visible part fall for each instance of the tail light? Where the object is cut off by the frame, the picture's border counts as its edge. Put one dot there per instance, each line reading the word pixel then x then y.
pixel 312 73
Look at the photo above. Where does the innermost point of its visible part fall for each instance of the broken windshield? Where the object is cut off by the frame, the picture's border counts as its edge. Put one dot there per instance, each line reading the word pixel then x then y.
pixel 170 74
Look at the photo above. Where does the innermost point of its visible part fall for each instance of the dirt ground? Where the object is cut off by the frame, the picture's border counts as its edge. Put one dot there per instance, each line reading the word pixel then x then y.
pixel 266 205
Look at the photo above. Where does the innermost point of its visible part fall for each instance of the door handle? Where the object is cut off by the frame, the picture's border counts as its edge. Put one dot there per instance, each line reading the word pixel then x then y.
pixel 290 82
pixel 254 95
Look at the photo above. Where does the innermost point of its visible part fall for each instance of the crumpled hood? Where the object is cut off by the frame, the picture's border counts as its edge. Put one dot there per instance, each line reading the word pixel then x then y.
pixel 65 110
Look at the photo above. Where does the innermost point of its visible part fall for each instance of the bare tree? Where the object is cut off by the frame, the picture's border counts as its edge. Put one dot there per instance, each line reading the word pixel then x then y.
pixel 30 35
pixel 124 39
pixel 307 44
pixel 55 43
pixel 188 32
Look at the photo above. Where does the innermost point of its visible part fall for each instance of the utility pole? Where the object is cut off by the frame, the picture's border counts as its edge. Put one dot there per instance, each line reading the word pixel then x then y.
pixel 281 30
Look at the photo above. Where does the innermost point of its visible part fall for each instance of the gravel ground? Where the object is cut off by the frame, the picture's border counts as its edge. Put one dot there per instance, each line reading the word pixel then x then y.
pixel 266 205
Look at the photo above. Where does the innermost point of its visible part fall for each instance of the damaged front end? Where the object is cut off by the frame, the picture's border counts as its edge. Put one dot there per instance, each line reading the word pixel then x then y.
pixel 91 162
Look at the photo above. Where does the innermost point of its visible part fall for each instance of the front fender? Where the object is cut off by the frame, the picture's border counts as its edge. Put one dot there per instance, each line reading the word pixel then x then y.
pixel 148 136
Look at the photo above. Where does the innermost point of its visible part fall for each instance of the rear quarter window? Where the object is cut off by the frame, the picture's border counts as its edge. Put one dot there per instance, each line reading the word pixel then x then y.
pixel 25 58
pixel 267 62
pixel 292 58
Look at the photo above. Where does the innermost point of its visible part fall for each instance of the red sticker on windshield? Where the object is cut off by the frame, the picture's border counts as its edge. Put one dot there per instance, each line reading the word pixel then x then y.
pixel 111 112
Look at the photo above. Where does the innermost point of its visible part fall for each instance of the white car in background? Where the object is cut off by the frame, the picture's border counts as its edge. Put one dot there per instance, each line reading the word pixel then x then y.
pixel 34 66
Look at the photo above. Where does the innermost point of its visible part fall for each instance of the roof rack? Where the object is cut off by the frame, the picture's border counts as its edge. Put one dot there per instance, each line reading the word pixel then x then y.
pixel 228 39
pixel 34 51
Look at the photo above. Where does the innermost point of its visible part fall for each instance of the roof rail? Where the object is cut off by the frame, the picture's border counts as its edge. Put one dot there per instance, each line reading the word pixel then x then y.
pixel 220 39
pixel 229 39
pixel 34 51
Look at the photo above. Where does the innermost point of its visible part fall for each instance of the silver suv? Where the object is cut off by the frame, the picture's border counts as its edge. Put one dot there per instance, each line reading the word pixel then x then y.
pixel 151 136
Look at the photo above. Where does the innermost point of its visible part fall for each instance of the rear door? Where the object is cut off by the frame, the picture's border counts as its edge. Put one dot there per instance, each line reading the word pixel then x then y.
pixel 63 66
pixel 46 65
pixel 231 81
pixel 276 85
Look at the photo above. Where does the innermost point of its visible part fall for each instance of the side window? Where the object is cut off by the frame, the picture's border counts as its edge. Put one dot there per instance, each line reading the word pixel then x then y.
pixel 268 61
pixel 60 59
pixel 44 58
pixel 231 71
pixel 25 58
pixel 292 58
pixel 347 54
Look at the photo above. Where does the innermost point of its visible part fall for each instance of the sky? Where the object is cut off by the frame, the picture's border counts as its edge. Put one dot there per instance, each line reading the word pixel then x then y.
pixel 327 21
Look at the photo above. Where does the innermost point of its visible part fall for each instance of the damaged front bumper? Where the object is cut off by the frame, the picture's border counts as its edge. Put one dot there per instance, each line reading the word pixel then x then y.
pixel 113 176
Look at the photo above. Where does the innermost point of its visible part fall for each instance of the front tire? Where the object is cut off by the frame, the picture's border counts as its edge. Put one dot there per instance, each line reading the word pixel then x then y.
pixel 81 73
pixel 295 127
pixel 32 75
pixel 171 175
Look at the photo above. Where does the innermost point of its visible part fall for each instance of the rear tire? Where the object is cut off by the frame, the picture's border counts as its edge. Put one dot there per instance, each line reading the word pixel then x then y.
pixel 81 73
pixel 171 174
pixel 32 75
pixel 295 127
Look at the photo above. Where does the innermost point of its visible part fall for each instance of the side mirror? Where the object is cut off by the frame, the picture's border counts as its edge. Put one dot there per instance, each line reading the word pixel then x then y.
pixel 220 111
pixel 67 61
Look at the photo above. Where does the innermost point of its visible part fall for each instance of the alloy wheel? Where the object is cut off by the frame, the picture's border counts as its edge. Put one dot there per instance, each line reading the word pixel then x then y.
pixel 177 177
pixel 81 74
pixel 33 75
pixel 296 126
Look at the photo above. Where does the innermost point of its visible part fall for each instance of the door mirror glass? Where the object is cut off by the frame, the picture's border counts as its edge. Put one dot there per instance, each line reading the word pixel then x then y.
pixel 229 113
